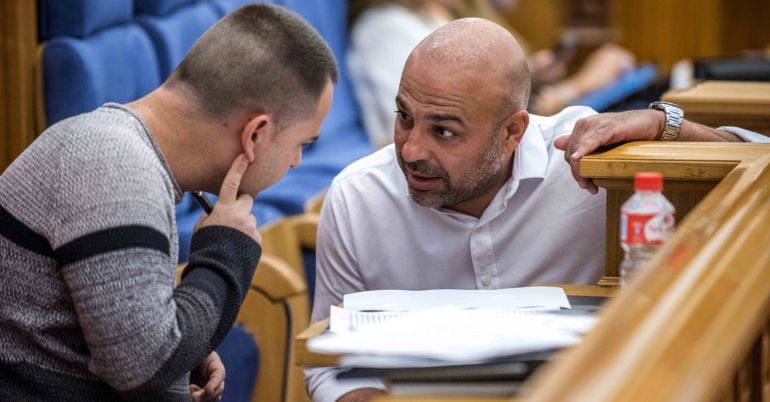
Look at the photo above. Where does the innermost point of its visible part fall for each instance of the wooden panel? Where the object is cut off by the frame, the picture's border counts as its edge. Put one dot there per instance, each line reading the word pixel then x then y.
pixel 276 308
pixel 745 25
pixel 678 29
pixel 725 103
pixel 690 170
pixel 314 205
pixel 688 322
pixel 4 133
pixel 684 195
pixel 666 33
pixel 538 21
pixel 18 27
pixel 280 239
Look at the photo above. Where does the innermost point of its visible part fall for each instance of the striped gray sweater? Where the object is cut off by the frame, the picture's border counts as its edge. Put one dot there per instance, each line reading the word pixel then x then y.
pixel 88 250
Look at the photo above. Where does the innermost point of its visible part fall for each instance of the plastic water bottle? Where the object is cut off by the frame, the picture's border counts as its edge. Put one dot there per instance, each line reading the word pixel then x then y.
pixel 646 221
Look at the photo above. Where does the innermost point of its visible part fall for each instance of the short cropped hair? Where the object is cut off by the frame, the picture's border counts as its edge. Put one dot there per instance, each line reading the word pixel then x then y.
pixel 259 58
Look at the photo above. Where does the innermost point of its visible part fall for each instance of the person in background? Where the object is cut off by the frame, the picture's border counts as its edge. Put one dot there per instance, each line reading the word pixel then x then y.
pixel 89 309
pixel 383 33
pixel 475 193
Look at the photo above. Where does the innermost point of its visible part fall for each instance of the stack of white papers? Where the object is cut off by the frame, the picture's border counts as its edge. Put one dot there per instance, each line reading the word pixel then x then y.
pixel 448 326
pixel 409 300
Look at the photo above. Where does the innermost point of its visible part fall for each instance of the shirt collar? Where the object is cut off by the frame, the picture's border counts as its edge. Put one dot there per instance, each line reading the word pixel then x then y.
pixel 530 160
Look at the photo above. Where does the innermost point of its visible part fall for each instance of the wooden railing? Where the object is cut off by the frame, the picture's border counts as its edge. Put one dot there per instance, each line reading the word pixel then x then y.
pixel 694 325
pixel 690 170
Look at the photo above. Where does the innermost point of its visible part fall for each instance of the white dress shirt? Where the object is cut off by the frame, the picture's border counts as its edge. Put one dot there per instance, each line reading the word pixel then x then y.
pixel 539 228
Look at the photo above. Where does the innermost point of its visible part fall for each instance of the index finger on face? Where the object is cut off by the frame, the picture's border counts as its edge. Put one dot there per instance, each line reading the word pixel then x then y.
pixel 229 191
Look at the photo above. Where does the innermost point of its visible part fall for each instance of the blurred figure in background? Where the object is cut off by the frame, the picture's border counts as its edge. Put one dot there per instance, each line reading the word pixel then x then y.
pixel 384 32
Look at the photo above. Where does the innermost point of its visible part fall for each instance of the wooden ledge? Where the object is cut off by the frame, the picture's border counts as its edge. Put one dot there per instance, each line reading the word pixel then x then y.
pixel 692 161
pixel 682 328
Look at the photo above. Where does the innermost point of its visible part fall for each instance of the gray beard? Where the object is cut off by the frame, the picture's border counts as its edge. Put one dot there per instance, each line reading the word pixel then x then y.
pixel 479 180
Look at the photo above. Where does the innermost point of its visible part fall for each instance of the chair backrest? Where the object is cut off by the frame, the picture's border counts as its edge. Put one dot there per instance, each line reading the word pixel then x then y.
pixel 225 6
pixel 92 54
pixel 275 311
pixel 174 33
pixel 329 17
pixel 159 7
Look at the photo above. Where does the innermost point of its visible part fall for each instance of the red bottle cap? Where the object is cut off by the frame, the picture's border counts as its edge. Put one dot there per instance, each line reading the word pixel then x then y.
pixel 648 181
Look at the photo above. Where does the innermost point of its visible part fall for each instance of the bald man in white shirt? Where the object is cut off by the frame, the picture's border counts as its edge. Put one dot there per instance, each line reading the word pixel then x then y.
pixel 474 194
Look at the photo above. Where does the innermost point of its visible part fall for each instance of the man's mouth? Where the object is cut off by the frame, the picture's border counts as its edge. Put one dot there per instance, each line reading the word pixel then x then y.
pixel 421 182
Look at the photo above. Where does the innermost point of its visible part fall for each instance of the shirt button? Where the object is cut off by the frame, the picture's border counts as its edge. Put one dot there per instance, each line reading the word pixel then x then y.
pixel 486 281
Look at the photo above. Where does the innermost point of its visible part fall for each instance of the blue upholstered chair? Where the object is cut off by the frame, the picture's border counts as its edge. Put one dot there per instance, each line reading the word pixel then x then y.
pixel 93 53
pixel 225 6
pixel 342 138
pixel 627 84
pixel 240 355
pixel 176 30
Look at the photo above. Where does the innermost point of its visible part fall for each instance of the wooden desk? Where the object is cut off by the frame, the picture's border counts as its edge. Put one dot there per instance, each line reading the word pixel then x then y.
pixel 690 170
pixel 694 326
pixel 726 103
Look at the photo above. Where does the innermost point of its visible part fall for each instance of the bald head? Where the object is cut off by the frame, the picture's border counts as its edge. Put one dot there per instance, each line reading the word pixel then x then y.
pixel 481 46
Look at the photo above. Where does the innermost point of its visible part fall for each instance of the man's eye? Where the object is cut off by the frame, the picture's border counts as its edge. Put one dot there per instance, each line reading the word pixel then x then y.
pixel 401 116
pixel 306 145
pixel 444 133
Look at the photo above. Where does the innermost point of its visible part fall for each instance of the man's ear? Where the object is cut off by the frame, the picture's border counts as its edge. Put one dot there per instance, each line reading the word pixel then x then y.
pixel 255 132
pixel 515 126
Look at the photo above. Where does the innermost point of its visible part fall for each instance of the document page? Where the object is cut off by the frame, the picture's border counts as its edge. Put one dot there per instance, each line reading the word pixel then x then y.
pixel 409 300
pixel 457 335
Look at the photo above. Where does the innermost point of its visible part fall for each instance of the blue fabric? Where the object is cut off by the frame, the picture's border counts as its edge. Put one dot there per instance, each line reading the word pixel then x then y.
pixel 188 211
pixel 308 264
pixel 80 18
pixel 291 193
pixel 330 19
pixel 225 6
pixel 174 34
pixel 114 65
pixel 334 150
pixel 627 84
pixel 240 355
pixel 342 138
pixel 157 7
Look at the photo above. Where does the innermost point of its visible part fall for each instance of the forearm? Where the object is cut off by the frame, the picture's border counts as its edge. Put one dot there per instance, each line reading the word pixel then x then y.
pixel 689 131
pixel 323 386
pixel 692 131
pixel 142 334
pixel 361 395
pixel 222 262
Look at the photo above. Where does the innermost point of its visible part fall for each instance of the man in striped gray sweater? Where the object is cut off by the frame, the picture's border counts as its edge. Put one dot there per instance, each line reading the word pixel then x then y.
pixel 89 309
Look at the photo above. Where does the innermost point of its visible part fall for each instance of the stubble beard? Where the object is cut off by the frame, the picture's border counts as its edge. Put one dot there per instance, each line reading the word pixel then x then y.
pixel 482 178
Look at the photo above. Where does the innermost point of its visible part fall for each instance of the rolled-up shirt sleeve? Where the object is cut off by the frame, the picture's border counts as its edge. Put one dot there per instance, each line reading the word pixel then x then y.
pixel 746 135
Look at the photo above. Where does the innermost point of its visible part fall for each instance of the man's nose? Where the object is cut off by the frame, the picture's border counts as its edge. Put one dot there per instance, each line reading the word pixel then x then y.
pixel 416 147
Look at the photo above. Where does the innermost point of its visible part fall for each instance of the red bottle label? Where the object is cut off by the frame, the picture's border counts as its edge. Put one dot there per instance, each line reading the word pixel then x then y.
pixel 645 228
